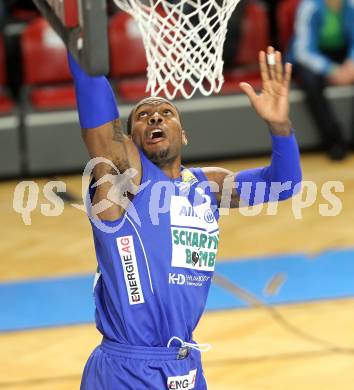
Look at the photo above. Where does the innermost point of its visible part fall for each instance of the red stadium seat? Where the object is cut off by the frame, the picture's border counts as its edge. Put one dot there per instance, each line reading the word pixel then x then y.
pixel 234 78
pixel 255 34
pixel 127 53
pixel 51 98
pixel 67 10
pixel 286 12
pixel 6 103
pixel 254 37
pixel 127 57
pixel 45 67
pixel 24 15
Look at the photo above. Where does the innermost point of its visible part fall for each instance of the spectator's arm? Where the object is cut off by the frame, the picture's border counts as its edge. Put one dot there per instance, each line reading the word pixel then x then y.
pixel 306 49
pixel 350 24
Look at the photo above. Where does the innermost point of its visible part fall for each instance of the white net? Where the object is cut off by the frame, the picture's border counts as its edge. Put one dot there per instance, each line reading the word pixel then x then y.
pixel 183 42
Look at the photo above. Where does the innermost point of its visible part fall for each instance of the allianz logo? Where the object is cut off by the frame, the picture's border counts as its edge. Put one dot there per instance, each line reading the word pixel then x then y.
pixel 176 279
pixel 188 211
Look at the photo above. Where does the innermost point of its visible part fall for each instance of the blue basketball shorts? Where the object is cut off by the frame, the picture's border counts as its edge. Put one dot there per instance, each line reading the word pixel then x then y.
pixel 113 366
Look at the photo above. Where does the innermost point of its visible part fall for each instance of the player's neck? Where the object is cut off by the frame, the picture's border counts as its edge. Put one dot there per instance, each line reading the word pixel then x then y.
pixel 172 169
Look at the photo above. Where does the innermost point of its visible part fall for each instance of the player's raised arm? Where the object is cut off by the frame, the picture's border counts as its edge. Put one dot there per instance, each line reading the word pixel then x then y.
pixel 281 179
pixel 103 134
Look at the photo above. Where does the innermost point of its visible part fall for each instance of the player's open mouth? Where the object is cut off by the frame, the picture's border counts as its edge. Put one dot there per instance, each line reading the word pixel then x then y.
pixel 155 136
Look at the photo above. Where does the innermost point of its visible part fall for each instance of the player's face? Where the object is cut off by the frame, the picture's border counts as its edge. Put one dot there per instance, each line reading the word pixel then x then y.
pixel 157 130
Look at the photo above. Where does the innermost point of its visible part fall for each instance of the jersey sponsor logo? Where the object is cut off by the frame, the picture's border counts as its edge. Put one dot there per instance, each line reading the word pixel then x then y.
pixel 194 232
pixel 194 249
pixel 183 213
pixel 188 179
pixel 176 279
pixel 190 212
pixel 187 279
pixel 126 250
pixel 209 216
pixel 183 381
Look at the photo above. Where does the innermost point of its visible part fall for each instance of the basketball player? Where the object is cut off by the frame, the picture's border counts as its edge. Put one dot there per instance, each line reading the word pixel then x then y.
pixel 155 268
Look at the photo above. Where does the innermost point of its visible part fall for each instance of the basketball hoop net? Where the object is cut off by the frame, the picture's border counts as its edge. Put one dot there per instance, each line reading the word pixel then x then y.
pixel 183 43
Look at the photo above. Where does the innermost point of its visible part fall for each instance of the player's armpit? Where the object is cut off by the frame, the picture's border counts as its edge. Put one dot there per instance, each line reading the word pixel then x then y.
pixel 116 169
pixel 109 142
pixel 225 187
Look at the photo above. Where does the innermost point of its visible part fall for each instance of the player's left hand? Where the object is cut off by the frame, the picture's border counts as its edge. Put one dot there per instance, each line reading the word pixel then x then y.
pixel 272 104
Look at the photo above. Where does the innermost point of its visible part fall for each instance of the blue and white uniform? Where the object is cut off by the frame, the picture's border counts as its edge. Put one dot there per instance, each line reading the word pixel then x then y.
pixel 155 269
pixel 156 262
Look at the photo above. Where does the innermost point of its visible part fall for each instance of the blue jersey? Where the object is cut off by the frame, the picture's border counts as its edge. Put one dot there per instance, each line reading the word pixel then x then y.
pixel 156 261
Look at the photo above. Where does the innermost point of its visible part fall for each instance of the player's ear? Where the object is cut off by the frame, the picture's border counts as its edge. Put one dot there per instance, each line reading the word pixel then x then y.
pixel 184 138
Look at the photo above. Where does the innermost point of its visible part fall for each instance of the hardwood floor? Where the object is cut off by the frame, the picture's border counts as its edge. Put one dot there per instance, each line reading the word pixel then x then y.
pixel 251 349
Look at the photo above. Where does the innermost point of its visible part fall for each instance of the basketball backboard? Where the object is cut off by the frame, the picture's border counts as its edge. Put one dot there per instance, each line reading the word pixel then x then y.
pixel 82 25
